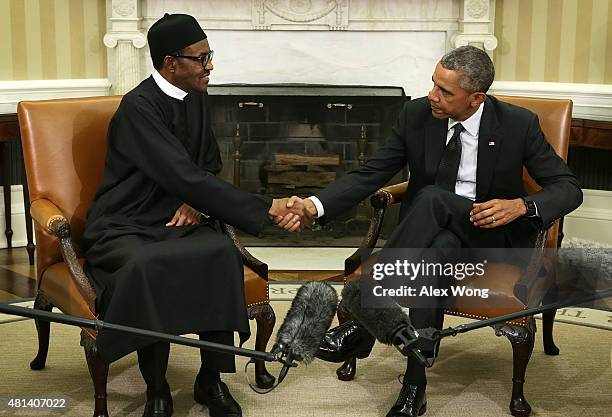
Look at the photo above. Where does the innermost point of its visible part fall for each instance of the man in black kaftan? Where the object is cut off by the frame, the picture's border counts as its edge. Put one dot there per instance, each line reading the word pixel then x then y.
pixel 147 269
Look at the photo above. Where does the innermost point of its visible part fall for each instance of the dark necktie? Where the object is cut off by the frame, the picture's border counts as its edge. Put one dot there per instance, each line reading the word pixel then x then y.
pixel 449 164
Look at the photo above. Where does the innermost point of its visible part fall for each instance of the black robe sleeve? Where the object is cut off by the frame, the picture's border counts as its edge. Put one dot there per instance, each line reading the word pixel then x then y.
pixel 143 138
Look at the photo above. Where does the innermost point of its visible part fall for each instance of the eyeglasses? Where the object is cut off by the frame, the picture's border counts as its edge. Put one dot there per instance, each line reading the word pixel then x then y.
pixel 204 59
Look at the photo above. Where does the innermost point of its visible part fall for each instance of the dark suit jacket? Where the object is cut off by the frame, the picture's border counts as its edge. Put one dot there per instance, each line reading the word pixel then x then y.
pixel 418 140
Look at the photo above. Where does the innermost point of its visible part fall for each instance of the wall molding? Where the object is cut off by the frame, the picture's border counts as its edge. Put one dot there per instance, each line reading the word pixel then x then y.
pixel 592 214
pixel 12 92
pixel 591 101
pixel 597 205
pixel 593 219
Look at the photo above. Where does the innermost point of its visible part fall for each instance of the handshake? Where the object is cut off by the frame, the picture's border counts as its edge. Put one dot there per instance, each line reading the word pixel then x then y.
pixel 293 214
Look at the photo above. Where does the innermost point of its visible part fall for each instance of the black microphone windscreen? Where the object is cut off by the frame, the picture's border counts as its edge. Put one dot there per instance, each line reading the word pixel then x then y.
pixel 383 322
pixel 309 317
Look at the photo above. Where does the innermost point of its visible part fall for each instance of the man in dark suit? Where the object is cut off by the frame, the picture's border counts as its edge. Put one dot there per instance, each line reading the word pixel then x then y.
pixel 465 152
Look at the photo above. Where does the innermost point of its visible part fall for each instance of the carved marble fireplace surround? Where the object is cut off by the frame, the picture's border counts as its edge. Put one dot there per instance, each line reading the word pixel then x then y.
pixel 358 42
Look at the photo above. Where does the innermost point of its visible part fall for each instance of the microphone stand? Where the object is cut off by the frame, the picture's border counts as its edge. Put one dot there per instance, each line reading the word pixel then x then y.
pixel 280 356
pixel 431 337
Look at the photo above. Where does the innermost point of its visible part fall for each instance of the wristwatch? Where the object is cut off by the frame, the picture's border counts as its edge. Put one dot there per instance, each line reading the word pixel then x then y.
pixel 530 206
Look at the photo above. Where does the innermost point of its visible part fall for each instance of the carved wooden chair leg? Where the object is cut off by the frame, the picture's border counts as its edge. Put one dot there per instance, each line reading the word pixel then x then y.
pixel 265 318
pixel 346 372
pixel 548 319
pixel 43 329
pixel 522 340
pixel 99 374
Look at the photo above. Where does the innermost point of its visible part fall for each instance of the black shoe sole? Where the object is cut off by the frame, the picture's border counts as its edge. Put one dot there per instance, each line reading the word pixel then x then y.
pixel 422 410
pixel 167 413
pixel 199 398
pixel 157 415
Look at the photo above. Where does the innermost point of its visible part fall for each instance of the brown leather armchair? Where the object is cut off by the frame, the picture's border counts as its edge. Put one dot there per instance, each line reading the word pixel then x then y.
pixel 507 284
pixel 64 146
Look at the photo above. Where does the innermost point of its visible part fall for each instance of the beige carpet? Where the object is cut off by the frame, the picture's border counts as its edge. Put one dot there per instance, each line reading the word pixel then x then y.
pixel 471 378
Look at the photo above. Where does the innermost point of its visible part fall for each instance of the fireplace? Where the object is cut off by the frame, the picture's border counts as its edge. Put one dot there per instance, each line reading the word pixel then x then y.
pixel 293 139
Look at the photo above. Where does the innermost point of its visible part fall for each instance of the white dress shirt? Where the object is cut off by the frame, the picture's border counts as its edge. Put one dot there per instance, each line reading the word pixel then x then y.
pixel 168 88
pixel 466 175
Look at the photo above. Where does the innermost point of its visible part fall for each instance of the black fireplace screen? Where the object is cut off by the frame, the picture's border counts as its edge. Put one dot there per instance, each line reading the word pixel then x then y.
pixel 283 140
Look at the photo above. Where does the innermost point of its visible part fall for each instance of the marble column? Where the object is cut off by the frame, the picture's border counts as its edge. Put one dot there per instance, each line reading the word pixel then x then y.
pixel 476 25
pixel 125 41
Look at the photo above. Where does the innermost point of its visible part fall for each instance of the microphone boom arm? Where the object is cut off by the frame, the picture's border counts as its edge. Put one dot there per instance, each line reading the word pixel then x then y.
pixel 309 316
pixel 432 337
pixel 180 340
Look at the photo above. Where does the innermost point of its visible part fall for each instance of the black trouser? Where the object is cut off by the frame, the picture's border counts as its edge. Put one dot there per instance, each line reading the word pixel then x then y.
pixel 440 219
pixel 153 361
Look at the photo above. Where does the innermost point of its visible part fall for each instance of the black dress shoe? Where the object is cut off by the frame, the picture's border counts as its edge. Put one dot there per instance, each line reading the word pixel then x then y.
pixel 412 402
pixel 348 340
pixel 218 399
pixel 158 407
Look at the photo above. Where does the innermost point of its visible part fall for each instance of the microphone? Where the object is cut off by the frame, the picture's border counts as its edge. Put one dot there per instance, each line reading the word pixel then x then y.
pixel 304 327
pixel 388 323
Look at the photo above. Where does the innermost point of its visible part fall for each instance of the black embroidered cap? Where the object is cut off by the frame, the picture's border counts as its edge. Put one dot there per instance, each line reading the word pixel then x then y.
pixel 172 33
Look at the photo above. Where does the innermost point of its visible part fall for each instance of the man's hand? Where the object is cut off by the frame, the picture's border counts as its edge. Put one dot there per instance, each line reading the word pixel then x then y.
pixel 293 214
pixel 496 212
pixel 184 216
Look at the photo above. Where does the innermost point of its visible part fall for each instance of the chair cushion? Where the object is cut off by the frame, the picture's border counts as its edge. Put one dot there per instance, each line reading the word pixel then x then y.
pixel 255 288
pixel 499 279
pixel 58 287
pixel 62 291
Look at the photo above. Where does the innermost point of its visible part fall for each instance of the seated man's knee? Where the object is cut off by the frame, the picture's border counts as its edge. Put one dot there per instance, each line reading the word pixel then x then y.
pixel 141 258
pixel 429 193
pixel 446 239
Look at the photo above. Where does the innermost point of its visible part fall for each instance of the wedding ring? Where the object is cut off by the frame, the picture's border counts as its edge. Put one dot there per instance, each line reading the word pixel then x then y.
pixel 493 217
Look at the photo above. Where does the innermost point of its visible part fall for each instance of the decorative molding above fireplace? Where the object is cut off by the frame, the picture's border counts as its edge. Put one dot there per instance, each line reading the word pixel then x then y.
pixel 375 42
pixel 370 15
pixel 332 14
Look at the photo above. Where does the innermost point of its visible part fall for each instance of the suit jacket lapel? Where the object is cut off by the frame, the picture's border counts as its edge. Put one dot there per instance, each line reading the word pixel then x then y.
pixel 435 141
pixel 489 143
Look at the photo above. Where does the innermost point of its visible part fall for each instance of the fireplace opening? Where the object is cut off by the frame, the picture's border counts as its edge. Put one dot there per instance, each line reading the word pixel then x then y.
pixel 295 139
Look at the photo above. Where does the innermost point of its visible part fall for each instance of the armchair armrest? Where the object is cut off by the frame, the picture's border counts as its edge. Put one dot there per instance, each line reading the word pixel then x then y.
pixel 381 199
pixel 51 218
pixel 389 195
pixel 247 258
pixel 47 215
